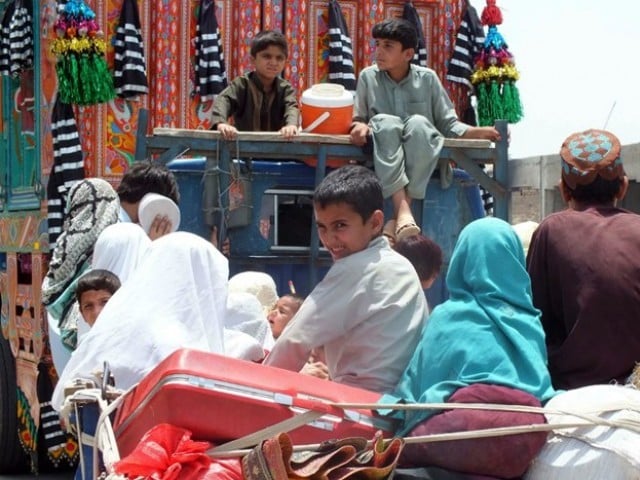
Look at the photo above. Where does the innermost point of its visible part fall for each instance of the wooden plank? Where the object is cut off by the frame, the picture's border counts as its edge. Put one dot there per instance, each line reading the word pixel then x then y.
pixel 478 174
pixel 300 138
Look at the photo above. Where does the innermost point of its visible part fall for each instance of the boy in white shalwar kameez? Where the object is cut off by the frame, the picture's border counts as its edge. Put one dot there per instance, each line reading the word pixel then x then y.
pixel 369 309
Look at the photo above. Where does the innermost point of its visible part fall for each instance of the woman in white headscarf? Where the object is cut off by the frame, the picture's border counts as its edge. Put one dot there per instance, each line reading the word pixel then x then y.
pixel 120 249
pixel 245 316
pixel 175 299
pixel 259 284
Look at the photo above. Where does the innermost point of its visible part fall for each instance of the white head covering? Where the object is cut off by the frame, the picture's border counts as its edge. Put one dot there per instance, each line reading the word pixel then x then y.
pixel 525 230
pixel 244 314
pixel 175 299
pixel 258 284
pixel 240 345
pixel 120 249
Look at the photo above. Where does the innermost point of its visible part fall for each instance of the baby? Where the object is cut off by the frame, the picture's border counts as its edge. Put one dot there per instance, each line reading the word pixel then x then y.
pixel 284 310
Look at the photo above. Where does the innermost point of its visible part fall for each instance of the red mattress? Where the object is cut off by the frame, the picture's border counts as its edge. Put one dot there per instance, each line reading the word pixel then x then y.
pixel 221 399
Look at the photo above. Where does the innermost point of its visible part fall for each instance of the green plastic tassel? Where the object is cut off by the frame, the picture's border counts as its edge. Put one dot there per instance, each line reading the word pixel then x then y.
pixel 68 79
pixel 511 101
pixel 496 109
pixel 483 104
pixel 105 90
pixel 85 90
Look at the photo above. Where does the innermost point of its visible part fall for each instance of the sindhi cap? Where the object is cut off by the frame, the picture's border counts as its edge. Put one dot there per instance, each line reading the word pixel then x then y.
pixel 588 154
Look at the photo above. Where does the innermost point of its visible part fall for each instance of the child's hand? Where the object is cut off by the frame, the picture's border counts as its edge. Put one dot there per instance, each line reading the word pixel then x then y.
pixel 359 134
pixel 289 131
pixel 228 132
pixel 160 226
pixel 316 369
pixel 482 133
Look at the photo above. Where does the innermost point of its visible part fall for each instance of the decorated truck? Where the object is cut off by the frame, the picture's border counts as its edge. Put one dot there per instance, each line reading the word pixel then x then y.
pixel 253 202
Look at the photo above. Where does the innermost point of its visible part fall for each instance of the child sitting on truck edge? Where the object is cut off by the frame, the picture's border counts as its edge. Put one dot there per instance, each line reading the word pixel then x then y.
pixel 369 309
pixel 260 100
pixel 407 111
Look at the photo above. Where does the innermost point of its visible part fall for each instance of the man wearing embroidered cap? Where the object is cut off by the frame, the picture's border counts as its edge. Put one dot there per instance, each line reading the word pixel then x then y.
pixel 584 264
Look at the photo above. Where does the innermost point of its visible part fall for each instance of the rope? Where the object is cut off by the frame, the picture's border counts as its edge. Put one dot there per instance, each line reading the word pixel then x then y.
pixel 589 415
pixel 436 437
pixel 107 443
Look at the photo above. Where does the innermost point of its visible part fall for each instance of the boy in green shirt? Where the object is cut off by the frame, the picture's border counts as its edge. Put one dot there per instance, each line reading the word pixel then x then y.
pixel 409 114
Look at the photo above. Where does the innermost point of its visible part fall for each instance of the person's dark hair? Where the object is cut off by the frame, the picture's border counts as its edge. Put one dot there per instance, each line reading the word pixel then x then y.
pixel 354 185
pixel 97 280
pixel 267 38
pixel 397 29
pixel 299 299
pixel 600 191
pixel 424 254
pixel 147 177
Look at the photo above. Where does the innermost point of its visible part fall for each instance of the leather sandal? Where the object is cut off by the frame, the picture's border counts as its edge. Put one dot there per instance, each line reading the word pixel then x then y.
pixel 407 230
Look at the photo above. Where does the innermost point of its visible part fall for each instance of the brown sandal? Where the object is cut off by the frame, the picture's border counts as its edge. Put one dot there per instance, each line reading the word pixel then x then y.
pixel 407 230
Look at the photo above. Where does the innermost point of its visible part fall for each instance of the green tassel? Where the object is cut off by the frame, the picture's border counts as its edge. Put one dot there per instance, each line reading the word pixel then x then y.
pixel 84 79
pixel 63 81
pixel 75 79
pixel 68 85
pixel 97 80
pixel 85 90
pixel 496 108
pixel 483 105
pixel 105 90
pixel 512 104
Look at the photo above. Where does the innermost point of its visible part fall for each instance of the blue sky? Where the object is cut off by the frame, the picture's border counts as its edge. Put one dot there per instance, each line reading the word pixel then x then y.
pixel 576 59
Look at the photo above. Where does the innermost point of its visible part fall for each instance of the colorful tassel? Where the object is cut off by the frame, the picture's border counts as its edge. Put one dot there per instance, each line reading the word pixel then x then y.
pixel 83 74
pixel 495 74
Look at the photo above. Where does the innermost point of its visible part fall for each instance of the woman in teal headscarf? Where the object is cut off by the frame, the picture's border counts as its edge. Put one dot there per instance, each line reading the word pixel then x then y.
pixel 484 344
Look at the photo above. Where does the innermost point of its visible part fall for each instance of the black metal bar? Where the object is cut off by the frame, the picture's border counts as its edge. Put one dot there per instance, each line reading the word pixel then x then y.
pixel 501 171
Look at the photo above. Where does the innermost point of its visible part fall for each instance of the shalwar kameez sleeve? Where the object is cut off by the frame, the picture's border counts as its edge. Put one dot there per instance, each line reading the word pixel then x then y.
pixel 322 318
pixel 291 110
pixel 367 314
pixel 226 102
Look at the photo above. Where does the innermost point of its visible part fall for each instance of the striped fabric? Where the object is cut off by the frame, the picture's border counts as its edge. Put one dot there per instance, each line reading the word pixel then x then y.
pixel 67 169
pixel 210 74
pixel 60 447
pixel 5 47
pixel 341 69
pixel 129 75
pixel 410 14
pixel 469 43
pixel 487 201
pixel 16 40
